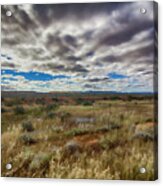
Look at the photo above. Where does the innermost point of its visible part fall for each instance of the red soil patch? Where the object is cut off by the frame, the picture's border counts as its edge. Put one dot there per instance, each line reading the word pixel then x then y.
pixel 86 139
pixel 90 142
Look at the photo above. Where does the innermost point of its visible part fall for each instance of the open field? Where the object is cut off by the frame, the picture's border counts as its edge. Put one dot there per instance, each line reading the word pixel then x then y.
pixel 92 136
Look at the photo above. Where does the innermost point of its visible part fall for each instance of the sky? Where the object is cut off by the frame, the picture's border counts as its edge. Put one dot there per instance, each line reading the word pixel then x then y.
pixel 78 47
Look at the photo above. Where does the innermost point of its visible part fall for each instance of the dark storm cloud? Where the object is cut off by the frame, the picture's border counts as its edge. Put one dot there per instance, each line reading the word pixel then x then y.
pixel 88 35
pixel 125 34
pixel 90 54
pixel 10 41
pixel 141 69
pixel 47 13
pixel 54 67
pixel 98 79
pixel 148 72
pixel 73 58
pixel 110 58
pixel 133 56
pixel 144 70
pixel 62 68
pixel 77 68
pixel 90 86
pixel 70 40
pixel 84 40
pixel 4 18
pixel 34 53
pixel 55 41
pixel 19 17
pixel 144 51
pixel 25 21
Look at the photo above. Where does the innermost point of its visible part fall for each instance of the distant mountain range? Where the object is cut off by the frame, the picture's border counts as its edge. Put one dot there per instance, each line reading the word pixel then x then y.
pixel 33 93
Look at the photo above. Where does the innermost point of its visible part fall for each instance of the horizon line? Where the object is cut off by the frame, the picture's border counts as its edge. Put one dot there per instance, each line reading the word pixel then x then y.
pixel 89 91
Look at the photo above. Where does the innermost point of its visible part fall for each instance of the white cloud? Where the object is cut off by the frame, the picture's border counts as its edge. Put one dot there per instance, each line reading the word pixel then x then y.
pixel 84 43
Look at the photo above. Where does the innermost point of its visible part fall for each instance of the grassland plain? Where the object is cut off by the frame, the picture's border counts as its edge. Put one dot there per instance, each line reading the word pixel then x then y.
pixel 89 137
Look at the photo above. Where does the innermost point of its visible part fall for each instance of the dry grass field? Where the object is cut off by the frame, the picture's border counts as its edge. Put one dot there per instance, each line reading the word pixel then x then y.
pixel 92 137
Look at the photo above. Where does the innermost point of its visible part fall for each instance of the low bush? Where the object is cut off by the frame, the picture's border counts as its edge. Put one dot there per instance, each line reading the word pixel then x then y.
pixel 19 110
pixel 72 147
pixel 84 102
pixel 51 115
pixel 27 126
pixel 40 160
pixel 149 120
pixel 52 107
pixel 145 136
pixel 77 131
pixel 107 128
pixel 64 116
pixel 27 139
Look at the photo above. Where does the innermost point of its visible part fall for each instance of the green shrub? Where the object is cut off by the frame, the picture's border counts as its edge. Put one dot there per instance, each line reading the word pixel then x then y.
pixel 107 128
pixel 84 102
pixel 115 97
pixel 105 142
pixel 77 131
pixel 87 103
pixel 19 110
pixel 40 101
pixel 52 107
pixel 121 117
pixel 40 160
pixel 64 116
pixel 145 136
pixel 27 126
pixel 102 129
pixel 9 103
pixel 149 120
pixel 51 115
pixel 27 139
pixel 72 147
pixel 55 99
pixel 114 126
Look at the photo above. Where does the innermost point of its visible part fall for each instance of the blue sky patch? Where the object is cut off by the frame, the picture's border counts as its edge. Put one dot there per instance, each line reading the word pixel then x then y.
pixel 34 76
pixel 114 75
pixel 9 79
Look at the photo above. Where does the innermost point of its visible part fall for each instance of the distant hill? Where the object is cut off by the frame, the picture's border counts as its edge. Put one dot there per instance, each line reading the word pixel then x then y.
pixel 53 94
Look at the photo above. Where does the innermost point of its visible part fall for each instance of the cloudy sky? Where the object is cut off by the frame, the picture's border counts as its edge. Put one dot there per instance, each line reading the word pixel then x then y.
pixel 78 47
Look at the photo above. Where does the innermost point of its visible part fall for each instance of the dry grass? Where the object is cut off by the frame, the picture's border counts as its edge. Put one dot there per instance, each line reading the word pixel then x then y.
pixel 110 146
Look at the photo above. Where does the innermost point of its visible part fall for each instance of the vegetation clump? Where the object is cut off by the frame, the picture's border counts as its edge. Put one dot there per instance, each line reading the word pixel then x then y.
pixel 111 139
pixel 27 139
pixel 40 160
pixel 77 131
pixel 27 126
pixel 84 102
pixel 52 107
pixel 64 116
pixel 144 136
pixel 72 147
pixel 51 114
pixel 18 110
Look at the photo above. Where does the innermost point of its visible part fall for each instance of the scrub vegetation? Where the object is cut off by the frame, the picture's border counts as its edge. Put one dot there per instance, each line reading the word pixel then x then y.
pixel 74 135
